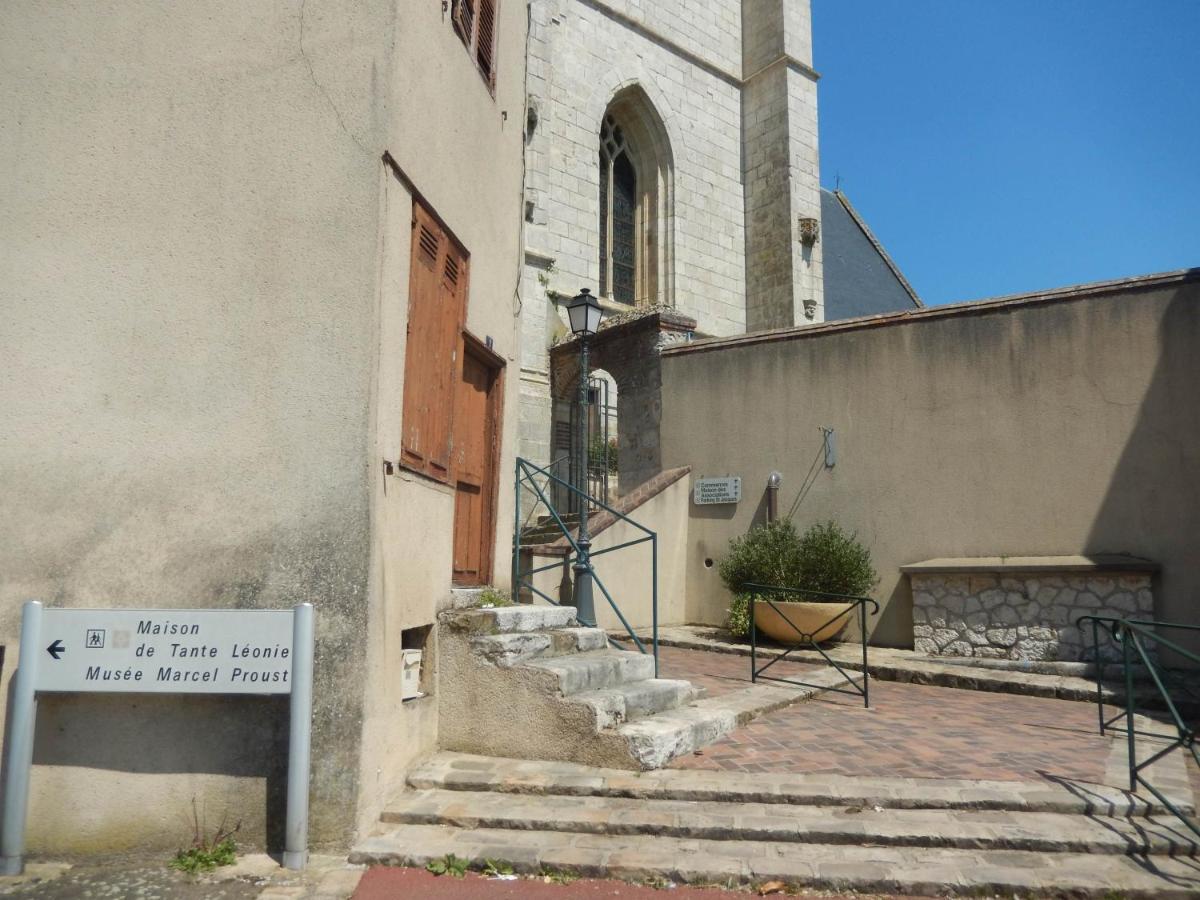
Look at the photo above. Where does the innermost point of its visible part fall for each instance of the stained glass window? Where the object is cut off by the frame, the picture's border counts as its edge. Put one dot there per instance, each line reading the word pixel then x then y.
pixel 618 214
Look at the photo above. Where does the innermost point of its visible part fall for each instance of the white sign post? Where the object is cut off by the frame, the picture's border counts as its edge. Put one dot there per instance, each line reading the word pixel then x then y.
pixel 156 651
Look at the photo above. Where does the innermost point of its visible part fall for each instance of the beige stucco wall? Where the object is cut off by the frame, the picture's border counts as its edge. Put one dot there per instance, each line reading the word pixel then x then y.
pixel 464 159
pixel 204 289
pixel 1060 425
pixel 627 572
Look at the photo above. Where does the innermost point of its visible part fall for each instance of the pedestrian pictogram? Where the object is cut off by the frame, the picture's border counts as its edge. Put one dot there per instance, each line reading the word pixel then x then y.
pixel 95 638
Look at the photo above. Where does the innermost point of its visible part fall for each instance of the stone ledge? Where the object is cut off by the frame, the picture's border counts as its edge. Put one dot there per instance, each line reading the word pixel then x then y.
pixel 641 494
pixel 1099 562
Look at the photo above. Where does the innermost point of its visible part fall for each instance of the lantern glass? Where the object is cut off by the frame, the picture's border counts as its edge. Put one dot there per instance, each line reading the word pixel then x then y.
pixel 584 312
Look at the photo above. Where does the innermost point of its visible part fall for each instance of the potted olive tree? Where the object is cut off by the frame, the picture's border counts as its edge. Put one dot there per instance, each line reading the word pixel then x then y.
pixel 825 559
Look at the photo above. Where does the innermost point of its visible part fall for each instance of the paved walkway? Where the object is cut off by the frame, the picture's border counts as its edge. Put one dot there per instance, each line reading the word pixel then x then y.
pixel 910 731
pixel 387 883
pixel 721 673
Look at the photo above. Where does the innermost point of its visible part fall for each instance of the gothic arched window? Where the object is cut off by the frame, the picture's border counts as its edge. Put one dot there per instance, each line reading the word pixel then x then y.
pixel 618 214
pixel 637 247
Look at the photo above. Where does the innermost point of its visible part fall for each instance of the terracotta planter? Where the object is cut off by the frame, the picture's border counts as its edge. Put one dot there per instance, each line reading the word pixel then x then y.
pixel 807 616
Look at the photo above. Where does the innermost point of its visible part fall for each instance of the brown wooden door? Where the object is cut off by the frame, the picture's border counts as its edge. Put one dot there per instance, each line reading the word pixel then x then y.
pixel 473 463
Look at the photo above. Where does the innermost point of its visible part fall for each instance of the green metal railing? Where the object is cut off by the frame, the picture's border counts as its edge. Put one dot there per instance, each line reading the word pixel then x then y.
pixel 760 593
pixel 1131 635
pixel 527 475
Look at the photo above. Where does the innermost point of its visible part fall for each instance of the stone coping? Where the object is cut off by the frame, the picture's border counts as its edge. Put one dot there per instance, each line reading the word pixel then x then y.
pixel 969 307
pixel 1099 562
pixel 625 505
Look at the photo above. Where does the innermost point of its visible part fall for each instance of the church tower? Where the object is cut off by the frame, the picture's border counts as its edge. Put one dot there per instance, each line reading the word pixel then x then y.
pixel 781 167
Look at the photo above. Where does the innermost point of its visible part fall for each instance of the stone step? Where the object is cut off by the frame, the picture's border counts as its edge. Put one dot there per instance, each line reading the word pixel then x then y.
pixel 714 820
pixel 907 870
pixel 517 647
pixel 633 701
pixel 459 771
pixel 909 667
pixel 533 538
pixel 597 669
pixel 519 618
pixel 656 740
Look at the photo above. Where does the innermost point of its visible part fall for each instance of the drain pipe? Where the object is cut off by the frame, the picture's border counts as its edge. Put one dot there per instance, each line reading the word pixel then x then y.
pixel 773 481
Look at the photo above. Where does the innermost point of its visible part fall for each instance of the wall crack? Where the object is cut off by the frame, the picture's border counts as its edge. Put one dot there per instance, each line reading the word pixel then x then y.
pixel 321 88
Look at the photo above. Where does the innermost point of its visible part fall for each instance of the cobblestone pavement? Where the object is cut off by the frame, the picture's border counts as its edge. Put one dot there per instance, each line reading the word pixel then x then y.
pixel 911 731
pixel 721 673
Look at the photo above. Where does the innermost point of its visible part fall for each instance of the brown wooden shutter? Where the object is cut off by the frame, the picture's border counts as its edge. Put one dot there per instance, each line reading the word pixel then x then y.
pixel 485 39
pixel 464 20
pixel 436 309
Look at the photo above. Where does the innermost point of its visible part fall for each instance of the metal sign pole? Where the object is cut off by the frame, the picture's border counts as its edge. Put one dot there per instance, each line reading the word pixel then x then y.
pixel 19 749
pixel 178 651
pixel 295 854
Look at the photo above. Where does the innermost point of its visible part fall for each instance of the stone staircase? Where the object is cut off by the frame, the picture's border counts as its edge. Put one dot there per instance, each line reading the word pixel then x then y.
pixel 529 682
pixel 545 530
pixel 912 836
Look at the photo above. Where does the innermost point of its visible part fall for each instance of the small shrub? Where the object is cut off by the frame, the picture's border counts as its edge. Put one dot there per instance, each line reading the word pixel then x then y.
pixel 769 554
pixel 825 559
pixel 835 562
pixel 597 457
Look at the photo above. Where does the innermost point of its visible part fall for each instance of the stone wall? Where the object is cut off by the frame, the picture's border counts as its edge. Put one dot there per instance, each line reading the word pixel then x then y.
pixel 1057 422
pixel 1029 615
pixel 732 124
pixel 629 349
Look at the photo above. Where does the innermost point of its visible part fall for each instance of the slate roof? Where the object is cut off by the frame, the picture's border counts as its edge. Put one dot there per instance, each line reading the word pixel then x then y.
pixel 860 278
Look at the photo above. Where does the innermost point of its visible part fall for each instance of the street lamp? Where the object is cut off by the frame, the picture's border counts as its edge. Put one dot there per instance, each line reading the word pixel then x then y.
pixel 584 313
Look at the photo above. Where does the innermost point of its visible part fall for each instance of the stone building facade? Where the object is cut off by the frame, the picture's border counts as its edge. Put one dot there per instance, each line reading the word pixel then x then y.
pixel 671 161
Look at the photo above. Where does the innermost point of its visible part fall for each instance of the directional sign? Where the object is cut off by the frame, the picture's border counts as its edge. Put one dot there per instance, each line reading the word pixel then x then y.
pixel 192 651
pixel 158 651
pixel 717 490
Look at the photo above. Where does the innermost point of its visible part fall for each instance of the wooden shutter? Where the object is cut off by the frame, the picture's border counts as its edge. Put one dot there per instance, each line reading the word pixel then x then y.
pixel 475 23
pixel 436 306
pixel 485 39
pixel 464 20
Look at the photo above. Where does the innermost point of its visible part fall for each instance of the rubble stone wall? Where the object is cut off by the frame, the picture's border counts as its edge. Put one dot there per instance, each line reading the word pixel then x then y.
pixel 1022 616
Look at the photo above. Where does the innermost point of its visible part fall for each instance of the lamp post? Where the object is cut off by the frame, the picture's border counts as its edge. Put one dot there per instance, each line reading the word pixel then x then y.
pixel 584 313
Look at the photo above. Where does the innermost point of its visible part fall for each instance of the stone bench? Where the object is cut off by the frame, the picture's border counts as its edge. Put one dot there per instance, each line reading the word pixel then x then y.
pixel 1025 607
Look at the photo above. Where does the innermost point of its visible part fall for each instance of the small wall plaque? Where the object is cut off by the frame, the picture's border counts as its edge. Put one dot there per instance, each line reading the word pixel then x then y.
pixel 717 490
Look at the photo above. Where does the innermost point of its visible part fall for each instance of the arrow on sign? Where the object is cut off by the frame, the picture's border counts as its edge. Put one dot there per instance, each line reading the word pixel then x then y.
pixel 56 649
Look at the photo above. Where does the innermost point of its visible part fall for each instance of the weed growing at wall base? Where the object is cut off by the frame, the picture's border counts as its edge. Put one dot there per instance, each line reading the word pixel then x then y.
pixel 206 853
pixel 451 865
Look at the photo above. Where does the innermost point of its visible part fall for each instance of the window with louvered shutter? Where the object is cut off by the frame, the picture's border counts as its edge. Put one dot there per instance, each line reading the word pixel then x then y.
pixel 436 312
pixel 475 23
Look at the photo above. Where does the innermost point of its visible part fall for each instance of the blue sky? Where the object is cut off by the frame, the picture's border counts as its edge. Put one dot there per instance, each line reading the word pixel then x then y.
pixel 1003 147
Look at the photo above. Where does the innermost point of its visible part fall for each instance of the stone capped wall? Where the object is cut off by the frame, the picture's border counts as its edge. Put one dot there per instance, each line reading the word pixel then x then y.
pixel 1023 615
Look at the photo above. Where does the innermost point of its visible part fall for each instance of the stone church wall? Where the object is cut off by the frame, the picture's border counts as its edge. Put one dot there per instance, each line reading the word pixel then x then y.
pixel 689 60
pixel 581 55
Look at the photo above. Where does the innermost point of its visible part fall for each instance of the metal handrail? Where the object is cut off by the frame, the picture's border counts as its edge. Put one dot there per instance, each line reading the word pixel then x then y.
pixel 1129 633
pixel 761 593
pixel 526 472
